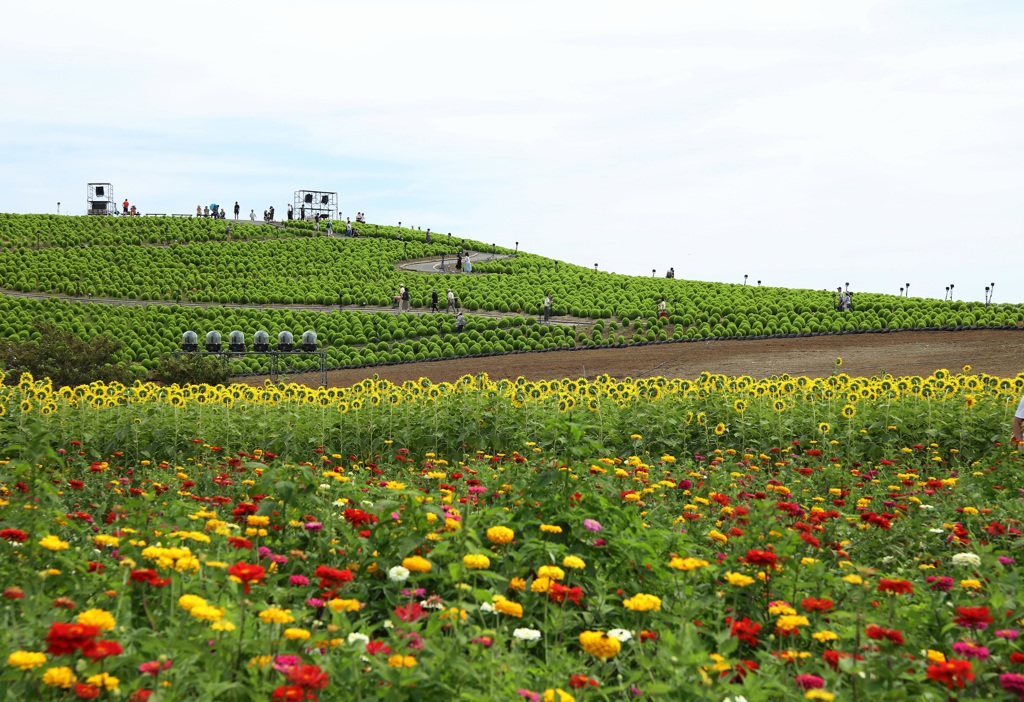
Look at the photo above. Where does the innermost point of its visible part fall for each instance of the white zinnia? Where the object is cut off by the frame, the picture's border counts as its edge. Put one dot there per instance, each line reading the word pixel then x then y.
pixel 398 574
pixel 359 639
pixel 526 634
pixel 621 634
pixel 486 607
pixel 937 531
pixel 966 559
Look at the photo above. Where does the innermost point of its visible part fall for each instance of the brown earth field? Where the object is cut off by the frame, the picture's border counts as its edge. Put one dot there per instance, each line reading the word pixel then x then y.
pixel 997 352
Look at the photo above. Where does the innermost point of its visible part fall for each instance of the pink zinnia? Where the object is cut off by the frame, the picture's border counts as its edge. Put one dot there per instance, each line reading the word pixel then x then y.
pixel 284 664
pixel 528 694
pixel 591 525
pixel 1012 682
pixel 808 681
pixel 313 526
pixel 299 580
pixel 1010 634
pixel 969 650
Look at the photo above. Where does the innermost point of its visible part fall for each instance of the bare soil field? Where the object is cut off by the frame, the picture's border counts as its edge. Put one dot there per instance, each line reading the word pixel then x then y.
pixel 997 352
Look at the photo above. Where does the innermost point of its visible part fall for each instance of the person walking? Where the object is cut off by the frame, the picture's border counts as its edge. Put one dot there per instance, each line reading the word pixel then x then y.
pixel 662 311
pixel 330 228
pixel 125 205
pixel 433 301
pixel 547 308
pixel 252 215
pixel 458 261
pixel 460 322
pixel 291 212
pixel 1018 423
pixel 405 298
pixel 451 302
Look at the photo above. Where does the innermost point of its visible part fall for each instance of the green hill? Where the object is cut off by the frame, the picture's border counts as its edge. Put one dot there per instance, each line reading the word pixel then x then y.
pixel 249 282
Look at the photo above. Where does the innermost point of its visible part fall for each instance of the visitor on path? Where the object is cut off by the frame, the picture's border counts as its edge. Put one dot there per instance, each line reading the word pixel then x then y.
pixel 405 298
pixel 348 226
pixel 844 301
pixel 451 302
pixel 1018 423
pixel 199 211
pixel 125 206
pixel 227 232
pixel 237 210
pixel 460 322
pixel 467 267
pixel 428 235
pixel 302 212
pixel 291 211
pixel 662 312
pixel 206 210
pixel 458 262
pixel 252 215
pixel 316 224
pixel 433 300
pixel 330 228
pixel 271 211
pixel 132 211
pixel 670 273
pixel 547 309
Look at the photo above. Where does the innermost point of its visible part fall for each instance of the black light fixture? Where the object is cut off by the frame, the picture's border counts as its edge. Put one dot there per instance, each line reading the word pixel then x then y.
pixel 285 341
pixel 213 344
pixel 261 341
pixel 236 341
pixel 309 340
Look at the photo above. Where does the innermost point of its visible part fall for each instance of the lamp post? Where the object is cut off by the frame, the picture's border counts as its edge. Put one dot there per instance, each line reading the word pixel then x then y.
pixel 759 283
pixel 595 268
pixel 653 272
pixel 744 278
pixel 517 248
pixel 908 291
pixel 951 286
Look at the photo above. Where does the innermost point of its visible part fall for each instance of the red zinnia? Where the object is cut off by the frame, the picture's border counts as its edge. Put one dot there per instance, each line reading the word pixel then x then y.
pixel 64 639
pixel 896 587
pixel 290 693
pixel 874 631
pixel 375 647
pixel 330 577
pixel 411 612
pixel 973 617
pixel 951 673
pixel 745 630
pixel 14 535
pixel 84 691
pixel 238 542
pixel 761 558
pixel 248 573
pixel 578 681
pixel 148 576
pixel 308 677
pixel 98 650
pixel 812 605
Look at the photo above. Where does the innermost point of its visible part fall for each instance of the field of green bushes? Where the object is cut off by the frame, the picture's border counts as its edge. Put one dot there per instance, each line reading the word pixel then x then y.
pixel 190 261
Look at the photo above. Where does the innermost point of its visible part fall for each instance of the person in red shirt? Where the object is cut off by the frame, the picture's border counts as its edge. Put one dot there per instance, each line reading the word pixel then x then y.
pixel 125 205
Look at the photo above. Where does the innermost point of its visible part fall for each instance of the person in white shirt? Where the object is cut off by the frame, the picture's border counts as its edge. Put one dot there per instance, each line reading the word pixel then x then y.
pixel 1018 422
pixel 451 301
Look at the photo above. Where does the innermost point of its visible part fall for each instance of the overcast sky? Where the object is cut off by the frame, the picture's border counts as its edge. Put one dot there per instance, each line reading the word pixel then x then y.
pixel 805 143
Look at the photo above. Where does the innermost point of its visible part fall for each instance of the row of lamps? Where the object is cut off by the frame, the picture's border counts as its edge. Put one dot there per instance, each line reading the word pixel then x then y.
pixel 260 342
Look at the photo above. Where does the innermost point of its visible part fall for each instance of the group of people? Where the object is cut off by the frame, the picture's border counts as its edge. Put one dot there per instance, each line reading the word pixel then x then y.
pixel 128 210
pixel 843 300
pixel 217 212
pixel 402 298
pixel 670 273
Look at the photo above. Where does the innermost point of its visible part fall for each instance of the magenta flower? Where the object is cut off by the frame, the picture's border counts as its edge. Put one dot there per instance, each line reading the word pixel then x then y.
pixel 313 526
pixel 535 696
pixel 591 525
pixel 808 681
pixel 315 602
pixel 298 580
pixel 1012 682
pixel 1009 634
pixel 284 664
pixel 1006 560
pixel 263 551
pixel 969 650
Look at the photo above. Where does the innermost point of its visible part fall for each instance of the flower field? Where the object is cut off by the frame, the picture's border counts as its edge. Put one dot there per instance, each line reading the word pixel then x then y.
pixel 720 538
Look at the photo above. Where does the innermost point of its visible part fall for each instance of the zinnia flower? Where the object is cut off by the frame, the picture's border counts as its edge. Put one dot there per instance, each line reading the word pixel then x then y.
pixel 500 535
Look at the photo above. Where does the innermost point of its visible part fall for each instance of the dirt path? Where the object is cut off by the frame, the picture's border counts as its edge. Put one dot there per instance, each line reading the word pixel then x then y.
pixel 997 352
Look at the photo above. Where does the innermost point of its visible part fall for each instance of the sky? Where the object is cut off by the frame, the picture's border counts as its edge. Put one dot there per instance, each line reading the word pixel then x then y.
pixel 800 143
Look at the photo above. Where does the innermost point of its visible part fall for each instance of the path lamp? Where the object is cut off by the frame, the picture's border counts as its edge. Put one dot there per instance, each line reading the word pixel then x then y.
pixel 189 342
pixel 517 248
pixel 759 283
pixel 285 341
pixel 653 271
pixel 908 290
pixel 595 268
pixel 744 278
pixel 951 286
pixel 901 292
pixel 261 341
pixel 213 341
pixel 236 341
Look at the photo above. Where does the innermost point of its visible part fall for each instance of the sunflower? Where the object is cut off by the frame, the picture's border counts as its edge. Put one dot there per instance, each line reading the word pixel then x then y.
pixel 740 406
pixel 779 406
pixel 702 418
pixel 824 428
pixel 720 428
pixel 849 411
pixel 839 362
pixel 592 404
pixel 26 406
pixel 967 369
